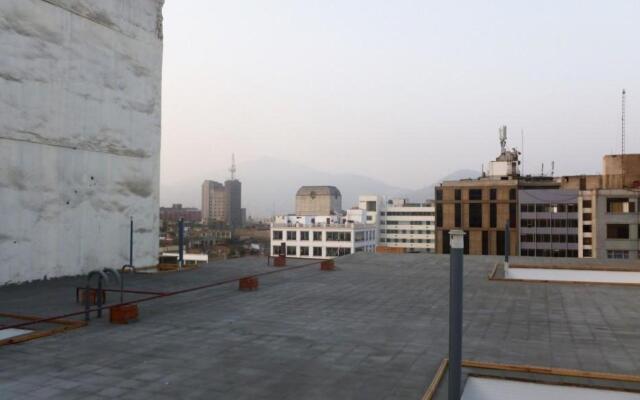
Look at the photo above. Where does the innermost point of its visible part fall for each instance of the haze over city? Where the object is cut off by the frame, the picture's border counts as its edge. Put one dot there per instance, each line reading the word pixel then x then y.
pixel 352 199
pixel 403 92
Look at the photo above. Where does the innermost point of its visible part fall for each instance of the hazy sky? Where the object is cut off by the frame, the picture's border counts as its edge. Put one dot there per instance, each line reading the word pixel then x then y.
pixel 404 91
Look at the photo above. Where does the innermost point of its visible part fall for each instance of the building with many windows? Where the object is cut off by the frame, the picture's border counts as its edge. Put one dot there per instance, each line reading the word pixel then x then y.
pixel 214 202
pixel 410 226
pixel 320 236
pixel 546 216
pixel 549 223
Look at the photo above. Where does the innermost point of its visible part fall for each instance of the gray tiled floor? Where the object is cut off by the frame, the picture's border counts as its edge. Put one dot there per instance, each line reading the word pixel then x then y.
pixel 376 328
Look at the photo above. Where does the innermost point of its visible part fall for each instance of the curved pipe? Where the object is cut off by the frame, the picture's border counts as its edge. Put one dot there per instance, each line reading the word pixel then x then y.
pixel 112 272
pixel 101 276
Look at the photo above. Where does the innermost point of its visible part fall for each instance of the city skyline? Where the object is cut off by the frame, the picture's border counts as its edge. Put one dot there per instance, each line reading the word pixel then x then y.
pixel 365 83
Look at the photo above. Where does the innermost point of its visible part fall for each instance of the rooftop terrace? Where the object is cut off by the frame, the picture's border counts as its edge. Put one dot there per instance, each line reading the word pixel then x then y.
pixel 375 328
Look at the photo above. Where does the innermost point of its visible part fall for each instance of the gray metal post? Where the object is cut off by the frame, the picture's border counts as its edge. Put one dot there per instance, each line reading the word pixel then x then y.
pixel 507 242
pixel 455 312
pixel 180 243
pixel 131 243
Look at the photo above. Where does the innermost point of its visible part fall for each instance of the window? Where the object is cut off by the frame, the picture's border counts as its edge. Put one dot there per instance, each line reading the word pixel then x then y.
pixel 291 250
pixel 292 235
pixel 475 215
pixel 458 194
pixel 475 194
pixel 586 216
pixel 622 254
pixel 317 251
pixel 304 251
pixel 458 215
pixel 371 206
pixel 572 208
pixel 500 238
pixel 275 250
pixel 493 215
pixel 492 194
pixel 586 228
pixel 439 215
pixel 620 205
pixel 572 238
pixel 586 203
pixel 332 251
pixel 513 194
pixel 587 253
pixel 338 236
pixel 542 208
pixel 586 241
pixel 277 235
pixel 439 194
pixel 485 243
pixel 317 236
pixel 369 218
pixel 304 235
pixel 527 238
pixel 617 231
pixel 513 215
pixel 359 236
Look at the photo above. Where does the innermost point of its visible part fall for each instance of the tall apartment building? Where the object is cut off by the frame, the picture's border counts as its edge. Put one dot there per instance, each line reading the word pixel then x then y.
pixel 223 203
pixel 214 202
pixel 233 189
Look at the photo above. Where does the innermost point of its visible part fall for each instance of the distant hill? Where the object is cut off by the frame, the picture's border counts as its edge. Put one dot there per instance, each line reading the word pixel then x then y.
pixel 269 186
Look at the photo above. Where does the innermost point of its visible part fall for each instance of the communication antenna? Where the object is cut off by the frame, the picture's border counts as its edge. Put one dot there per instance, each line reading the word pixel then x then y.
pixel 542 170
pixel 623 119
pixel 522 149
pixel 503 138
pixel 553 167
pixel 623 134
pixel 233 166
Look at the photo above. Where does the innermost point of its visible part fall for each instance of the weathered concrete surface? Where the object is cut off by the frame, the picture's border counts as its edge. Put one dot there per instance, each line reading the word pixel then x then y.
pixel 375 328
pixel 80 84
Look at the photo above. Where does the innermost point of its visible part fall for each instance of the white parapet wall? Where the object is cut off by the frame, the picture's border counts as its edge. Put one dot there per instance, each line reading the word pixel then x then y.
pixel 80 91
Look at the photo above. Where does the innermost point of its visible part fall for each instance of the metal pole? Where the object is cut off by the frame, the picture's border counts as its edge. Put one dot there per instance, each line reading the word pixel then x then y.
pixel 180 243
pixel 507 249
pixel 131 243
pixel 456 258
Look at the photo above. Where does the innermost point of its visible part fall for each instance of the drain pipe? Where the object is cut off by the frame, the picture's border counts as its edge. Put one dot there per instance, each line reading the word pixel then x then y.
pixel 180 243
pixel 507 248
pixel 456 259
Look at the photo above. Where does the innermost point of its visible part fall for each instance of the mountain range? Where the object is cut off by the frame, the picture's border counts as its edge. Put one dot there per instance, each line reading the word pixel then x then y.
pixel 269 186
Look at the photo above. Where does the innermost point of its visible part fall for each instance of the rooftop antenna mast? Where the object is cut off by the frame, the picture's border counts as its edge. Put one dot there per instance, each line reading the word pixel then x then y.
pixel 522 149
pixel 233 166
pixel 503 138
pixel 623 133
pixel 623 119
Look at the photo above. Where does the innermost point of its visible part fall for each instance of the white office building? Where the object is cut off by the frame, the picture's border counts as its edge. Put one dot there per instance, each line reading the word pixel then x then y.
pixel 320 237
pixel 401 224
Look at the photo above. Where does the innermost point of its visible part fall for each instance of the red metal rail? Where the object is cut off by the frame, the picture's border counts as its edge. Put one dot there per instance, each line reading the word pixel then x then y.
pixel 158 295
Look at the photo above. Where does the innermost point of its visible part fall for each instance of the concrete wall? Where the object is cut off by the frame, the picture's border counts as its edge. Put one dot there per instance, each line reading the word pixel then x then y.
pixel 80 85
